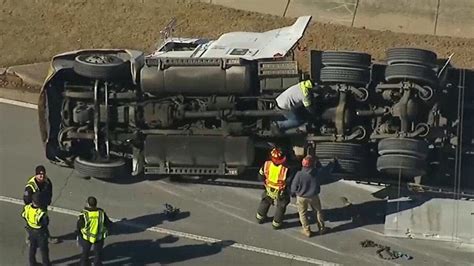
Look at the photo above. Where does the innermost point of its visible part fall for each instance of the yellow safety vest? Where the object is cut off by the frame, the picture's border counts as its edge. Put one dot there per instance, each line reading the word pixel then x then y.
pixel 32 184
pixel 94 229
pixel 33 216
pixel 275 178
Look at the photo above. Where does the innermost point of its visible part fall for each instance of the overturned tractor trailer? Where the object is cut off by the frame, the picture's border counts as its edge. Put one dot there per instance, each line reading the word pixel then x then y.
pixel 204 107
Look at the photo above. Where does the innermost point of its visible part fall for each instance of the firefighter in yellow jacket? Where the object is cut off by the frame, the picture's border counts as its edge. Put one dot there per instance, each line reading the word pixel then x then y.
pixel 37 228
pixel 277 179
pixel 92 229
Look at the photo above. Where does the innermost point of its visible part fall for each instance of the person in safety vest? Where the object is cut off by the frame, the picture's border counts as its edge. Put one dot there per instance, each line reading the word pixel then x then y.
pixel 293 102
pixel 276 176
pixel 92 228
pixel 41 184
pixel 37 229
pixel 306 187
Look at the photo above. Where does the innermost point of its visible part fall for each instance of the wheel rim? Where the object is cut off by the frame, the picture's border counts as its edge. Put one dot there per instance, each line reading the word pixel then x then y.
pixel 99 59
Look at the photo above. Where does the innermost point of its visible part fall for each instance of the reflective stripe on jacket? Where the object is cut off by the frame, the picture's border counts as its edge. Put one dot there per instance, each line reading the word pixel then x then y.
pixel 275 178
pixel 33 216
pixel 32 184
pixel 94 229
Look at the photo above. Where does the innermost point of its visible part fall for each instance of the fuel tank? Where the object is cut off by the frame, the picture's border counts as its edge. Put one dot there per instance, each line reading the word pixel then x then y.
pixel 198 76
pixel 199 150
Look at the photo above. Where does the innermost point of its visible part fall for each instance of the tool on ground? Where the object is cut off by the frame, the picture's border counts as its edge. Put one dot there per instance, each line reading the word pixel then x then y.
pixel 170 211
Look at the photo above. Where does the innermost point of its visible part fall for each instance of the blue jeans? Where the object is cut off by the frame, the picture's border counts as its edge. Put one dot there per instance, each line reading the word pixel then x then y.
pixel 293 119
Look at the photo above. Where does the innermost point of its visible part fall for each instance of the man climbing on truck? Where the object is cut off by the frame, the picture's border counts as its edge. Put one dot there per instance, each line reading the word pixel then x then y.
pixel 294 102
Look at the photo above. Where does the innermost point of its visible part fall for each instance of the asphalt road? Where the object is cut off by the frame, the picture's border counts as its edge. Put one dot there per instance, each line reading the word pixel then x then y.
pixel 216 225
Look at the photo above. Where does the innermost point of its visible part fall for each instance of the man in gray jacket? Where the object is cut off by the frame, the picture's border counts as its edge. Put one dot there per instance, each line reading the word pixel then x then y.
pixel 292 103
pixel 306 187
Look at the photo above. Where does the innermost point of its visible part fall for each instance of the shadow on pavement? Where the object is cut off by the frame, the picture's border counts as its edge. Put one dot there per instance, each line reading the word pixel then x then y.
pixel 360 214
pixel 151 251
pixel 142 223
pixel 366 213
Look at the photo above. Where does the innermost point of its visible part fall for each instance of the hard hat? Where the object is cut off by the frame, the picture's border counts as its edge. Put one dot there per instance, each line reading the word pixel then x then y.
pixel 308 84
pixel 307 161
pixel 277 156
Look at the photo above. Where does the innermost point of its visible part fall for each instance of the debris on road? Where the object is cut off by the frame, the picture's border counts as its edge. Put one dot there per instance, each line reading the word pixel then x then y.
pixel 385 252
pixel 170 211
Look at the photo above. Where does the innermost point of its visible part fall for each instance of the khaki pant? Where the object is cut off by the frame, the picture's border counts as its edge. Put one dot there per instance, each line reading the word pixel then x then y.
pixel 315 203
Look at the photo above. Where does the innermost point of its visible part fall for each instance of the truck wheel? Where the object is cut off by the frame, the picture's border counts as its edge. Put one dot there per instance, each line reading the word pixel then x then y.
pixel 405 165
pixel 100 66
pixel 341 150
pixel 346 168
pixel 403 146
pixel 348 75
pixel 412 56
pixel 417 73
pixel 102 169
pixel 346 59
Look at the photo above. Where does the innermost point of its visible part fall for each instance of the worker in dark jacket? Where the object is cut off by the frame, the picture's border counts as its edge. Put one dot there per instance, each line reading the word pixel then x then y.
pixel 37 229
pixel 277 178
pixel 92 229
pixel 41 184
pixel 306 187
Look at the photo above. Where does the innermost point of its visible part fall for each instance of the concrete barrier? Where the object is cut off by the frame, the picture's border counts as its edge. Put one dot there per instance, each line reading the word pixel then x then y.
pixel 456 18
pixel 328 11
pixel 412 16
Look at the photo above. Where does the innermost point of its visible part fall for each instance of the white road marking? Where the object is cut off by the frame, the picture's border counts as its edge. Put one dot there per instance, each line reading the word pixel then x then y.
pixel 190 236
pixel 252 195
pixel 312 243
pixel 18 103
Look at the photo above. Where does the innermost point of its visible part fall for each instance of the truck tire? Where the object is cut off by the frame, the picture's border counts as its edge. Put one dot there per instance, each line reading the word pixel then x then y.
pixel 405 165
pixel 346 168
pixel 348 75
pixel 341 150
pixel 412 56
pixel 346 59
pixel 103 169
pixel 404 146
pixel 417 73
pixel 101 66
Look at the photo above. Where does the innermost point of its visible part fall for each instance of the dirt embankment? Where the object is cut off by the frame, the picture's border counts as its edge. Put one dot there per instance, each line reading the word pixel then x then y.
pixel 35 30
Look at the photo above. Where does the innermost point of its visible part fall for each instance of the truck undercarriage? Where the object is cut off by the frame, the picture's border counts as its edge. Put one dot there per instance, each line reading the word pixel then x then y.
pixel 109 113
pixel 207 108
